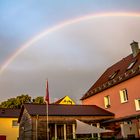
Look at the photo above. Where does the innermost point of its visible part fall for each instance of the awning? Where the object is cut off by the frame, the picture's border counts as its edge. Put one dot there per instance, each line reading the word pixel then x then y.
pixel 84 128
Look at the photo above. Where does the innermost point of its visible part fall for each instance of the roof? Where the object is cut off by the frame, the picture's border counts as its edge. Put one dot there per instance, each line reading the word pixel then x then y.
pixel 59 101
pixel 123 70
pixel 9 113
pixel 126 118
pixel 65 110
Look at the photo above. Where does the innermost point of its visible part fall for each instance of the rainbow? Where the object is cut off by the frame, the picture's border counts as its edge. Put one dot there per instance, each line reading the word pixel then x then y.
pixel 39 36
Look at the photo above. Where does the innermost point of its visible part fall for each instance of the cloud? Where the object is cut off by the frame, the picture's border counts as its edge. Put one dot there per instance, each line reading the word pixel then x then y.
pixel 72 58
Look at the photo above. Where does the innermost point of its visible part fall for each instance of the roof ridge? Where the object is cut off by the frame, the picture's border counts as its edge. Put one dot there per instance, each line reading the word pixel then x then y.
pixel 124 73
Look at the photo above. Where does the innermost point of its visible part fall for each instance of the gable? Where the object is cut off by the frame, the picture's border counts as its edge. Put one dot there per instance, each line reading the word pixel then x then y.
pixel 67 100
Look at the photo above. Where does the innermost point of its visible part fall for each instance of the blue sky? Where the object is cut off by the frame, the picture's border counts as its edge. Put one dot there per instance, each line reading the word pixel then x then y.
pixel 68 54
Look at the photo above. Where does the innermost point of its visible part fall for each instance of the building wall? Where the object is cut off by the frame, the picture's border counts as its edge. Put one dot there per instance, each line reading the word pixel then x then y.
pixel 120 109
pixel 6 128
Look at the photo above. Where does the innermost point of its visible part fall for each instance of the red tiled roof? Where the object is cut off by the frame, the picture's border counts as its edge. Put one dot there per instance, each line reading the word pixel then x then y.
pixel 66 110
pixel 123 73
pixel 9 113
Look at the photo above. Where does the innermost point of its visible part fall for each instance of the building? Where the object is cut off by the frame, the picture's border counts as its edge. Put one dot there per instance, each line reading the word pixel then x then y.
pixel 118 91
pixel 61 120
pixel 65 100
pixel 9 129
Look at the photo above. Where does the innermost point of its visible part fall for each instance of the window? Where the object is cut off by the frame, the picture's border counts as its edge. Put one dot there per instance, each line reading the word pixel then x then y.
pixel 131 65
pixel 137 104
pixel 129 122
pixel 112 76
pixel 14 123
pixel 123 95
pixel 107 101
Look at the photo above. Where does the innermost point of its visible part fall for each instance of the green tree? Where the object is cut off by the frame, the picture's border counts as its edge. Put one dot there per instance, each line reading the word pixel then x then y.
pixel 39 100
pixel 10 103
pixel 19 100
pixel 22 99
pixel 16 102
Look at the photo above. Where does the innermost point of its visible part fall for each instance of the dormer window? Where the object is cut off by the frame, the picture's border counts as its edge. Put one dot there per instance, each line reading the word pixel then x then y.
pixel 113 75
pixel 131 65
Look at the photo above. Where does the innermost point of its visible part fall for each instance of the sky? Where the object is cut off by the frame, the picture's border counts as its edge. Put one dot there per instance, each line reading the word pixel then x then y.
pixel 69 42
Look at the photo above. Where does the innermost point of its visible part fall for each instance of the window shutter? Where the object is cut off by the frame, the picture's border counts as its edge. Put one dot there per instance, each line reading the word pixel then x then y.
pixel 126 94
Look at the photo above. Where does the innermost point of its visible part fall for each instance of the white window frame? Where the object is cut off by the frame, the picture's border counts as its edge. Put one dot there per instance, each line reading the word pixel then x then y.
pixel 131 65
pixel 112 76
pixel 123 96
pixel 107 101
pixel 137 104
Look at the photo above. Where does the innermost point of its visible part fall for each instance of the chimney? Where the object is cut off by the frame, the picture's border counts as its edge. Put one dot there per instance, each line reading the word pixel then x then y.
pixel 135 48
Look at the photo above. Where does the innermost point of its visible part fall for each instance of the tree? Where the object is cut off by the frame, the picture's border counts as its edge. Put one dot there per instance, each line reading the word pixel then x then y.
pixel 10 103
pixel 39 100
pixel 20 100
pixel 23 99
pixel 16 102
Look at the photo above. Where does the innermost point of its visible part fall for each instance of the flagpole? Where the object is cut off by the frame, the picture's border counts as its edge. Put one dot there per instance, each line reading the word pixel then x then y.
pixel 47 108
pixel 47 120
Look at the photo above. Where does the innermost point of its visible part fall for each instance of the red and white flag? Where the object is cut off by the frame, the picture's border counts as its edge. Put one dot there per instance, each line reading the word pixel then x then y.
pixel 47 100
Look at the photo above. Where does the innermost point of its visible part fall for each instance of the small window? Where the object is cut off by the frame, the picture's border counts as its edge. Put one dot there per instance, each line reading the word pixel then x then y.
pixel 131 65
pixel 14 123
pixel 107 101
pixel 129 122
pixel 112 76
pixel 137 104
pixel 123 95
